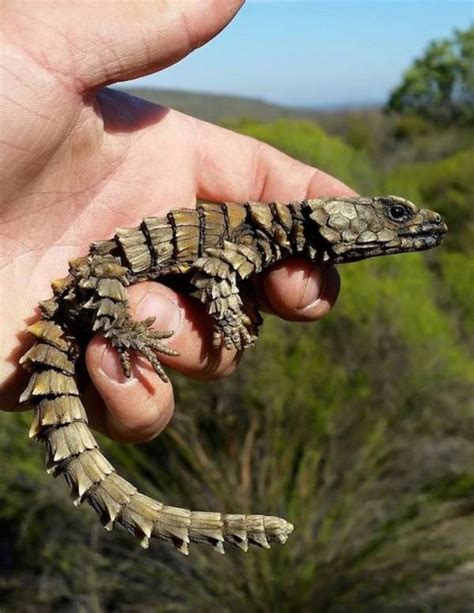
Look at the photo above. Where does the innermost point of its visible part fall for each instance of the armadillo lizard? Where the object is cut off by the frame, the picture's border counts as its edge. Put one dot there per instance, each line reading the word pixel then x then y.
pixel 216 249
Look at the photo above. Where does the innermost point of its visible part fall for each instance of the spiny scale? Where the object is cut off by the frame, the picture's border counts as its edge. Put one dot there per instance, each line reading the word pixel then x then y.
pixel 219 246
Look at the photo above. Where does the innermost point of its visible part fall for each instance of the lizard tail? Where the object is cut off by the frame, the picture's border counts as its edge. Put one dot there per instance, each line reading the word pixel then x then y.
pixel 61 423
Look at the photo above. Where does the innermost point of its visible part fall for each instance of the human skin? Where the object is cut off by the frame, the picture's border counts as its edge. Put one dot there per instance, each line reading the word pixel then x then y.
pixel 78 160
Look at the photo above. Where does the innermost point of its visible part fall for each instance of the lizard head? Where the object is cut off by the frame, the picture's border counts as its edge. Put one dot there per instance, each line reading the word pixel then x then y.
pixel 359 228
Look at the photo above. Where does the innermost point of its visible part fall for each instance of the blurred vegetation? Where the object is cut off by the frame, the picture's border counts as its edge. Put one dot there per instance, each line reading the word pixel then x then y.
pixel 440 84
pixel 359 429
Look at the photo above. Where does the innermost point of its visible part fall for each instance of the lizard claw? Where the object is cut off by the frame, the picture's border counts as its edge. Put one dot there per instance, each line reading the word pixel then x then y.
pixel 137 336
pixel 238 336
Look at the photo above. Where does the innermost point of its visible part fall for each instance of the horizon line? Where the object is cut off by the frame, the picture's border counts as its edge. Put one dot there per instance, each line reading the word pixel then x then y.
pixel 348 105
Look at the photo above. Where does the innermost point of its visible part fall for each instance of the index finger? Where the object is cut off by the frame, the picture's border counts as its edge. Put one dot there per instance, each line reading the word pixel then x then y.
pixel 237 168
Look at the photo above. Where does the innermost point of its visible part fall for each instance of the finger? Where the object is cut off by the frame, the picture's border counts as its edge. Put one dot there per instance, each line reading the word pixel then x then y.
pixel 298 290
pixel 238 168
pixel 116 41
pixel 193 331
pixel 136 409
pixel 140 407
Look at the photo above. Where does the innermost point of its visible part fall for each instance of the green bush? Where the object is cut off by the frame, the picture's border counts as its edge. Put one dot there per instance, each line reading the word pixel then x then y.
pixel 411 127
pixel 360 135
pixel 440 84
pixel 458 285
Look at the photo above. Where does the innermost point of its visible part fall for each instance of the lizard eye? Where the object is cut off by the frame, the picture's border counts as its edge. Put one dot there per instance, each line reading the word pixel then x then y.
pixel 398 212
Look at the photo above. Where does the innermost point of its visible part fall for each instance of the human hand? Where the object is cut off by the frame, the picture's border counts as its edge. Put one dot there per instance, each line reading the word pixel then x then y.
pixel 78 160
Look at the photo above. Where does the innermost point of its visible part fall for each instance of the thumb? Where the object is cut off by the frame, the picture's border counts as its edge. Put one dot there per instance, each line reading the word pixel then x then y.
pixel 116 41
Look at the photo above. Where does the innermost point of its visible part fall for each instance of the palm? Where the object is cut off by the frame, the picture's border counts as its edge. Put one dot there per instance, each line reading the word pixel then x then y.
pixel 119 160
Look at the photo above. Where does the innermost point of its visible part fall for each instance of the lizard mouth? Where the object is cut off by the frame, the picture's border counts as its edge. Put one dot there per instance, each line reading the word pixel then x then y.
pixel 418 237
pixel 426 236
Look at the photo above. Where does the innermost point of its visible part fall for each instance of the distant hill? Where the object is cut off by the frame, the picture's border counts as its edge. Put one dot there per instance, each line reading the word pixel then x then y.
pixel 225 109
pixel 218 108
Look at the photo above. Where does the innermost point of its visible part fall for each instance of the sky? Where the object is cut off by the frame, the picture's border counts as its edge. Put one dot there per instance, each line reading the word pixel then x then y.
pixel 316 53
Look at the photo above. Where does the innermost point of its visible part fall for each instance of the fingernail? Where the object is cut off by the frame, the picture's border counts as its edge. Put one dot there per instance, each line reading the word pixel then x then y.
pixel 156 304
pixel 312 285
pixel 111 366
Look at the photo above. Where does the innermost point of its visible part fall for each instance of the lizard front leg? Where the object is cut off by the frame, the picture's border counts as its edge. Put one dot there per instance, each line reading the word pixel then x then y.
pixel 102 281
pixel 218 277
